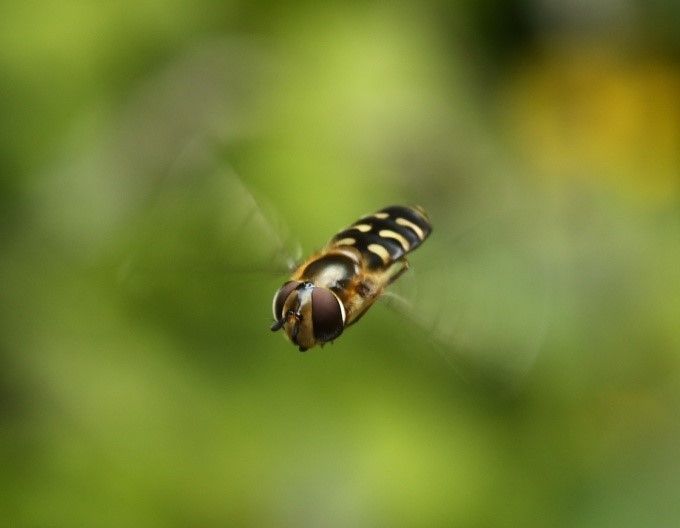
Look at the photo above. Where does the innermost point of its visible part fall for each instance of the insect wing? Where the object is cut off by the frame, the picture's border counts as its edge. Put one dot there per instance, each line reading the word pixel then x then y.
pixel 481 295
pixel 209 222
pixel 193 241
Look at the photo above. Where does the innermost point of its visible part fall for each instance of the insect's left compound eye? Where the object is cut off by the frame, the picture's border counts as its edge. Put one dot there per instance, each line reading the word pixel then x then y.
pixel 328 315
pixel 280 298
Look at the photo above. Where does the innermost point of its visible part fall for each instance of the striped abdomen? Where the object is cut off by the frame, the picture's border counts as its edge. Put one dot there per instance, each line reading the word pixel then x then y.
pixel 387 235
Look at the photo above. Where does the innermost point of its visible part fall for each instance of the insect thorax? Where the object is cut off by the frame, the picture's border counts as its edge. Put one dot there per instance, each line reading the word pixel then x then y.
pixel 332 270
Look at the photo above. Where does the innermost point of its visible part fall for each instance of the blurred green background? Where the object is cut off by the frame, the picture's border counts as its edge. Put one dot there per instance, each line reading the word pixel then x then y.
pixel 158 159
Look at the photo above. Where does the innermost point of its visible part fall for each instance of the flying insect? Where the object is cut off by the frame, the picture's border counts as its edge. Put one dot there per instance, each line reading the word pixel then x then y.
pixel 335 287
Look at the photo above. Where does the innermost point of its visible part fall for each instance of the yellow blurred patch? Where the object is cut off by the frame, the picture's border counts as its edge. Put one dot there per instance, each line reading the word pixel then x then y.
pixel 587 113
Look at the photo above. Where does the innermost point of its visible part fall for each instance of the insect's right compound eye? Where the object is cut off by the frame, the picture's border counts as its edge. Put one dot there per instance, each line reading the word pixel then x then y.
pixel 280 298
pixel 328 315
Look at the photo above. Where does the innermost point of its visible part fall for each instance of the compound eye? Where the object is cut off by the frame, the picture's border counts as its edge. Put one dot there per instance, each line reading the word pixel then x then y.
pixel 280 298
pixel 328 315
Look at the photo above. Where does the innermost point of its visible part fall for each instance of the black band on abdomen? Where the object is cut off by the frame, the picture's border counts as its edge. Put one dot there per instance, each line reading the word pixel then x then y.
pixel 387 235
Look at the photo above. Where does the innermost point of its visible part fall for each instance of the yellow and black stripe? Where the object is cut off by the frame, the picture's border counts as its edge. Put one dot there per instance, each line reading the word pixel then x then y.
pixel 386 236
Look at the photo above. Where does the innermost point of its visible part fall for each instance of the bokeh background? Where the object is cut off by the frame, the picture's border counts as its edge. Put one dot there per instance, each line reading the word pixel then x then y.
pixel 161 159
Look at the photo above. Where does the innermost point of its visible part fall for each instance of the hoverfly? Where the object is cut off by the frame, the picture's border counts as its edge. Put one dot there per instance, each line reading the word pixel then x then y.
pixel 336 286
pixel 478 299
pixel 192 228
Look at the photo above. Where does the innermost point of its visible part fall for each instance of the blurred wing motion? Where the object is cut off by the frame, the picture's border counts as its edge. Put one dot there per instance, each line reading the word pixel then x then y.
pixel 482 296
pixel 191 234
pixel 205 222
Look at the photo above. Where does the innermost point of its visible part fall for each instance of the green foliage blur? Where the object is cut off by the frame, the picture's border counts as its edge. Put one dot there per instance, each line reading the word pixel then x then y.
pixel 160 160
